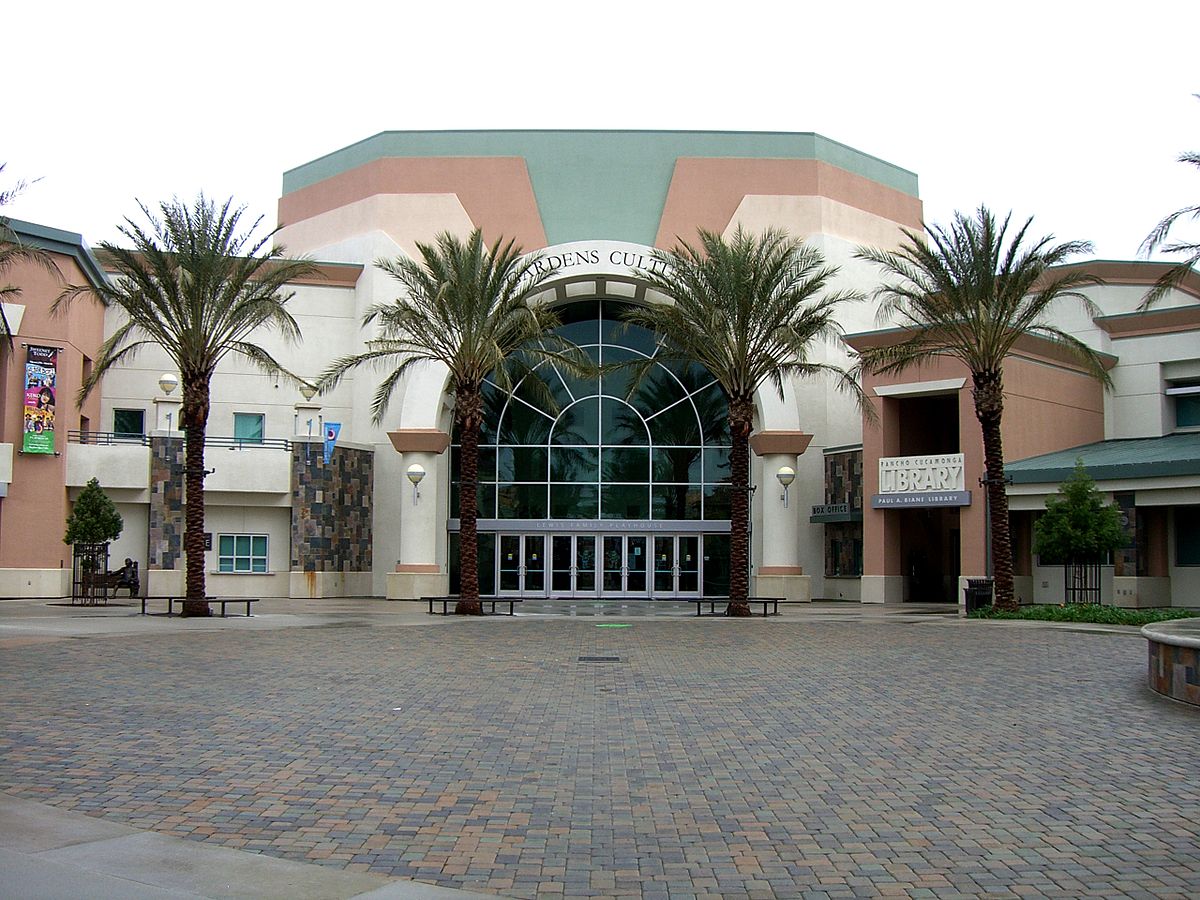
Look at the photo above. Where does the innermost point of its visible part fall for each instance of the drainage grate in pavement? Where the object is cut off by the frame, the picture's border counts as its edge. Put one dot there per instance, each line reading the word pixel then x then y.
pixel 599 659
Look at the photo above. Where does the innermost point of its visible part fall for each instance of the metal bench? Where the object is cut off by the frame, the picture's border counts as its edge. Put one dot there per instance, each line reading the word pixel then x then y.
pixel 223 602
pixel 767 603
pixel 490 601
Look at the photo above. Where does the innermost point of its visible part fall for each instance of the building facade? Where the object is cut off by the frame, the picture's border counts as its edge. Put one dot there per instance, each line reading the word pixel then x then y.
pixel 603 493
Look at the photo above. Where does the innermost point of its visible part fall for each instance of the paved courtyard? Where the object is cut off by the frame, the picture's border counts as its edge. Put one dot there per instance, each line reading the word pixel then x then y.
pixel 800 756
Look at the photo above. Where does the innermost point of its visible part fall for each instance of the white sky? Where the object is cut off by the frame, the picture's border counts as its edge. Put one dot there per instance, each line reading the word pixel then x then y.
pixel 1072 112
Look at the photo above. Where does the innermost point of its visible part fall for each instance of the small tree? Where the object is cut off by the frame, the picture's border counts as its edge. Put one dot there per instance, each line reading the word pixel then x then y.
pixel 94 518
pixel 1079 529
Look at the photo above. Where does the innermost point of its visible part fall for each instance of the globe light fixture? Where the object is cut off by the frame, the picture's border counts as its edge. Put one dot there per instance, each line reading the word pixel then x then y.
pixel 415 473
pixel 167 382
pixel 786 476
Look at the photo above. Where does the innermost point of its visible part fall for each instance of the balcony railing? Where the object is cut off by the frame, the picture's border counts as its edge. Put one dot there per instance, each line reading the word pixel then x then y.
pixel 233 443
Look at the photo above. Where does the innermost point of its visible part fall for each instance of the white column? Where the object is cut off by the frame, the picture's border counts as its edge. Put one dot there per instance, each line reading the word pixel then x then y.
pixel 307 423
pixel 166 416
pixel 417 571
pixel 418 511
pixel 780 524
pixel 780 574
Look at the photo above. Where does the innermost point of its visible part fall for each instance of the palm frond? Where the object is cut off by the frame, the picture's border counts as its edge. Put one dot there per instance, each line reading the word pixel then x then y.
pixel 748 309
pixel 1157 240
pixel 969 291
pixel 12 251
pixel 198 284
pixel 463 304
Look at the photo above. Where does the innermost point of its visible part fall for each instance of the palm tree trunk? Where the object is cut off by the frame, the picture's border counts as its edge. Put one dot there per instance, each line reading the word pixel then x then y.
pixel 195 420
pixel 469 409
pixel 989 409
pixel 741 419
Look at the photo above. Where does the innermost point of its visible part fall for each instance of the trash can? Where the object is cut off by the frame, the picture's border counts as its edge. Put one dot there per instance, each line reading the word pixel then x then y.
pixel 978 593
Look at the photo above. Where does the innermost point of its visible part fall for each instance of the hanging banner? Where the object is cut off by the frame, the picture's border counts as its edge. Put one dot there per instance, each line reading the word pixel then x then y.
pixel 41 370
pixel 332 430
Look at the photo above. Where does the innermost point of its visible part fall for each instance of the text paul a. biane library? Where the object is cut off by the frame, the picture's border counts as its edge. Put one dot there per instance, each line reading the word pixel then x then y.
pixel 606 492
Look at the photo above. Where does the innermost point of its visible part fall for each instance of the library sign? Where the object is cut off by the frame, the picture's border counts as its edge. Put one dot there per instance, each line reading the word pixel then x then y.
pixel 906 481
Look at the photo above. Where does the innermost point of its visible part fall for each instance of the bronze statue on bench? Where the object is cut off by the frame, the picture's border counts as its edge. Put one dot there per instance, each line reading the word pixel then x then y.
pixel 125 577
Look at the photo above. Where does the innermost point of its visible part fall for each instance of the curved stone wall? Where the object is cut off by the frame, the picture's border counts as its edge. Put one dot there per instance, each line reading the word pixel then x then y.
pixel 1174 663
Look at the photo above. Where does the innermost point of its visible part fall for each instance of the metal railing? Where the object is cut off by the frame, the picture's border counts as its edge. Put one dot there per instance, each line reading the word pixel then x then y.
pixel 116 438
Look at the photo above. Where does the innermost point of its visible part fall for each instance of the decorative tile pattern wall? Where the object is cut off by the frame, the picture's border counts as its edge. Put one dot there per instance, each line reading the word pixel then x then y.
pixel 844 478
pixel 331 509
pixel 166 502
pixel 1175 671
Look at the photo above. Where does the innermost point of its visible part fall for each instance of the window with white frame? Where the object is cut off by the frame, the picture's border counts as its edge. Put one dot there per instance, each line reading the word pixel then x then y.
pixel 248 427
pixel 1187 403
pixel 242 553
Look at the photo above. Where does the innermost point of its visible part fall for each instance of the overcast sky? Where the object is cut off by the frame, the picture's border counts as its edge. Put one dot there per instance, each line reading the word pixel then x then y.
pixel 1072 112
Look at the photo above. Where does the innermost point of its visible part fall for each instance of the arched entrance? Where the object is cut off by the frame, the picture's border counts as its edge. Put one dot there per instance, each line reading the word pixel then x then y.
pixel 613 489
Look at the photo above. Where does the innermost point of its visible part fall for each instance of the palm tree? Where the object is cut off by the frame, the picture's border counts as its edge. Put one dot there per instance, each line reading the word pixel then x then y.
pixel 200 289
pixel 12 251
pixel 970 294
pixel 748 310
pixel 1157 240
pixel 467 306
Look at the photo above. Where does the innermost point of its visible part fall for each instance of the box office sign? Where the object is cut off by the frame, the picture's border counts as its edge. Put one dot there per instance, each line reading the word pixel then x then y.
pixel 41 371
pixel 921 481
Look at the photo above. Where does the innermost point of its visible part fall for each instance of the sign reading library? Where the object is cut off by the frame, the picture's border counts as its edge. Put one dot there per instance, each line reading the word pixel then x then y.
pixel 41 369
pixel 921 481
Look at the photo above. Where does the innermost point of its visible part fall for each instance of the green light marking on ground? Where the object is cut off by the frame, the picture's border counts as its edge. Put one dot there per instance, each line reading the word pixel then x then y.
pixel 613 625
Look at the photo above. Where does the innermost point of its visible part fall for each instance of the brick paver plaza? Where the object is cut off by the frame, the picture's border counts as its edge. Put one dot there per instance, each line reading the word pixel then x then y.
pixel 776 758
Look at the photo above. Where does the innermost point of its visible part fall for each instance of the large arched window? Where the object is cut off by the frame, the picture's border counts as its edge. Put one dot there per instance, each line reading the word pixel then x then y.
pixel 600 451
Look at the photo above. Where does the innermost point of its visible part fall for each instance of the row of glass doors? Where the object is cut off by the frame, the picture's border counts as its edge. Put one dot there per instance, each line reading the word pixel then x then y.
pixel 594 565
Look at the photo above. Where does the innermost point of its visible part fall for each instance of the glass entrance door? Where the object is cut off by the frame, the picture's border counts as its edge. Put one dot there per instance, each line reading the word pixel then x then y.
pixel 625 566
pixel 676 565
pixel 573 565
pixel 522 565
pixel 591 565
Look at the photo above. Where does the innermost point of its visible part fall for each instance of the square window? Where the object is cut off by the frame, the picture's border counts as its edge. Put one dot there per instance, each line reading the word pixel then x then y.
pixel 1187 411
pixel 248 427
pixel 128 423
pixel 242 553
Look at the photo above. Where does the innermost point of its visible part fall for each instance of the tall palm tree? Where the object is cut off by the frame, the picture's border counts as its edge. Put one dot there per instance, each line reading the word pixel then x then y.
pixel 1157 239
pixel 749 310
pixel 12 251
pixel 969 293
pixel 202 290
pixel 467 306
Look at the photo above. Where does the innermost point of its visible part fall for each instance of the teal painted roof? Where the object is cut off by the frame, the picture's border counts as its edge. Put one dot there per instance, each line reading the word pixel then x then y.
pixel 601 184
pixel 1173 454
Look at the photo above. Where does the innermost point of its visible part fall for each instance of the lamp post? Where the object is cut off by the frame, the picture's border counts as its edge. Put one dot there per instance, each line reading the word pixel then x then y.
pixel 167 382
pixel 415 473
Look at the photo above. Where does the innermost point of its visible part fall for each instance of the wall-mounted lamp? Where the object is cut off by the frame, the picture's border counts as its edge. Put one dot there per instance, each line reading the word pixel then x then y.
pixel 415 473
pixel 786 476
pixel 307 391
pixel 167 382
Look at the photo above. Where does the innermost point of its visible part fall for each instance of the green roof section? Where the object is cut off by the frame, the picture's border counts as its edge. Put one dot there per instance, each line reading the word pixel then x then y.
pixel 1158 457
pixel 601 184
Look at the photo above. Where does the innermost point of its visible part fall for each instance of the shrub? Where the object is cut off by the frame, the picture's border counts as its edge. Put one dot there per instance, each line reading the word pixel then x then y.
pixel 94 518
